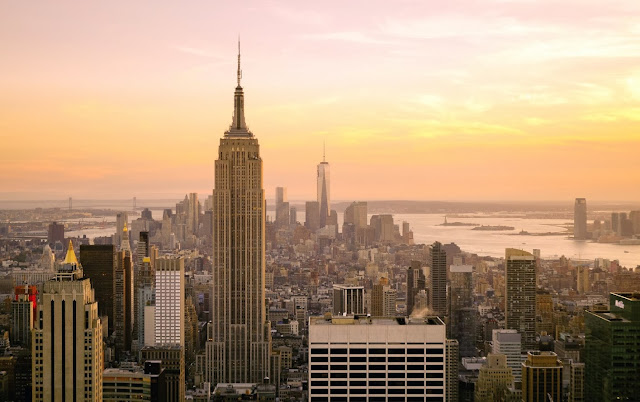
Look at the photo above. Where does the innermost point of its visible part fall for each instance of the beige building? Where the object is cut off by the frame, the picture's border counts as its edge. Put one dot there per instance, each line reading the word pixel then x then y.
pixel 520 295
pixel 576 382
pixel 126 385
pixel 240 347
pixel 541 377
pixel 493 379
pixel 66 344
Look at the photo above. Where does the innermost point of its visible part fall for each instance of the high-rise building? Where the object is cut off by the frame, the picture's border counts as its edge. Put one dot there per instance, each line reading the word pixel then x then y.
pixel 281 195
pixel 359 357
pixel 462 314
pixel 576 382
pixel 348 300
pixel 123 300
pixel 493 379
pixel 415 283
pixel 22 315
pixel 612 350
pixel 383 300
pixel 438 279
pixel 241 345
pixel 541 377
pixel 293 215
pixel 452 369
pixel 121 221
pixel 193 214
pixel 55 233
pixel 98 264
pixel 324 193
pixel 508 342
pixel 582 279
pixel 169 301
pixel 356 214
pixel 172 364
pixel 312 215
pixel 580 219
pixel 520 296
pixel 67 339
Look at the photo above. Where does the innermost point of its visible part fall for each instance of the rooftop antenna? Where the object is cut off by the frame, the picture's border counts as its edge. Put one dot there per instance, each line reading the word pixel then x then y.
pixel 239 70
pixel 324 149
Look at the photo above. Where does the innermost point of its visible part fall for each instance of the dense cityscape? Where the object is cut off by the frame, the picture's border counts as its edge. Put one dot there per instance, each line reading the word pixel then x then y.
pixel 217 301
pixel 472 232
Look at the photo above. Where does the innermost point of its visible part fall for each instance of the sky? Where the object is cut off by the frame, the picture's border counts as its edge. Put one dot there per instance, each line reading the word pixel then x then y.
pixel 415 100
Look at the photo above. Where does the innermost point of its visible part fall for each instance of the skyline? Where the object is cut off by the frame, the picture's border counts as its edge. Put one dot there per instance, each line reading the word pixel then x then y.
pixel 134 104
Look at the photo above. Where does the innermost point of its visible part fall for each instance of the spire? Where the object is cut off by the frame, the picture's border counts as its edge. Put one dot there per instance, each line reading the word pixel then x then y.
pixel 70 258
pixel 238 126
pixel 324 150
pixel 239 70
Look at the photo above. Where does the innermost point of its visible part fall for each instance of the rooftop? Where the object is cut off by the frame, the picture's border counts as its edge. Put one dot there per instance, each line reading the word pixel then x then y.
pixel 366 320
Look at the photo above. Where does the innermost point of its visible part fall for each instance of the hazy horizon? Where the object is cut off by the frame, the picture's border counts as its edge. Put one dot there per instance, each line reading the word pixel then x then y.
pixel 459 100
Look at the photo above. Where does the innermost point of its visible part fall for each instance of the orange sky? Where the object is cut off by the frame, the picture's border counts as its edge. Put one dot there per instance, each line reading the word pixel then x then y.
pixel 462 100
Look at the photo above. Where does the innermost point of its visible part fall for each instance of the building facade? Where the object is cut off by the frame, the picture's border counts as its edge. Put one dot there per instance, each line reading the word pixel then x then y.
pixel 241 344
pixel 363 357
pixel 438 279
pixel 541 377
pixel 520 295
pixel 580 219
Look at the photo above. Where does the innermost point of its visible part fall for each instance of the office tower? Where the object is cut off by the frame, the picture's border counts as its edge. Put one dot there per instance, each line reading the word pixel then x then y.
pixel 121 221
pixel 55 233
pixel 508 342
pixel 580 219
pixel 582 277
pixel 67 339
pixel 383 300
pixel 383 228
pixel 416 283
pixel 312 215
pixel 123 300
pixel 324 193
pixel 520 295
pixel 98 264
pixel 493 379
pixel 193 214
pixel 576 382
pixel 376 357
pixel 169 301
pixel 348 299
pixel 356 214
pixel 241 344
pixel 438 279
pixel 293 215
pixel 281 195
pixel 462 314
pixel 282 215
pixel 615 222
pixel 541 377
pixel 452 368
pixel 22 315
pixel 143 274
pixel 612 350
pixel 172 364
pixel 126 385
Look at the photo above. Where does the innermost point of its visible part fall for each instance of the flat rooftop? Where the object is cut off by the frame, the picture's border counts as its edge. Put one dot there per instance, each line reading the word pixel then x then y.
pixel 364 320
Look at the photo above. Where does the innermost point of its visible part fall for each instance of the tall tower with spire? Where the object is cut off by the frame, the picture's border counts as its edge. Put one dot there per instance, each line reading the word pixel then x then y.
pixel 240 345
pixel 324 195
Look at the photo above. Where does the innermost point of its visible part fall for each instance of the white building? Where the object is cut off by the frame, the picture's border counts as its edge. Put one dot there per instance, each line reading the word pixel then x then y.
pixel 169 306
pixel 359 357
pixel 509 343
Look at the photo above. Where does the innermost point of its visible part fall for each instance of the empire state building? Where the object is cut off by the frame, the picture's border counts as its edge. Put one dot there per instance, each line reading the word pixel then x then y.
pixel 239 346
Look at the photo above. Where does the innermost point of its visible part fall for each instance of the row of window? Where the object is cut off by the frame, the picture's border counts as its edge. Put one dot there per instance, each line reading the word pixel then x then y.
pixel 399 375
pixel 378 399
pixel 372 367
pixel 377 383
pixel 378 359
pixel 379 351
pixel 377 391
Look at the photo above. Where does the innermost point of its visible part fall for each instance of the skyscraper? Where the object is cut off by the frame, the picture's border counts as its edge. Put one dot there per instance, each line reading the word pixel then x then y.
pixel 312 215
pixel 123 301
pixel 438 279
pixel 241 341
pixel 67 347
pixel 520 295
pixel 415 283
pixel 324 194
pixel 98 264
pixel 348 299
pixel 541 377
pixel 580 219
pixel 612 350
pixel 462 314
pixel 508 342
pixel 55 233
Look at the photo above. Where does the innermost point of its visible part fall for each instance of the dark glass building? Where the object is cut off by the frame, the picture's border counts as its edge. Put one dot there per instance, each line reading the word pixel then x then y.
pixel 98 263
pixel 612 350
